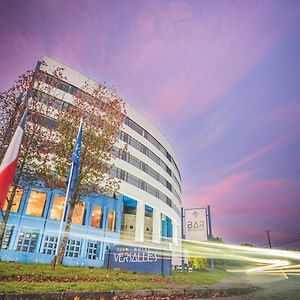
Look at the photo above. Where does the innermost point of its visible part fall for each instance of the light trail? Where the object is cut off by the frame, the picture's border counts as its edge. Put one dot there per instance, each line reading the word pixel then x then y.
pixel 251 260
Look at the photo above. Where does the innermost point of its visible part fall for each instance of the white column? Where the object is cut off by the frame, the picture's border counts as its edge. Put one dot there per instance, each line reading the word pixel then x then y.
pixel 140 221
pixel 175 233
pixel 156 234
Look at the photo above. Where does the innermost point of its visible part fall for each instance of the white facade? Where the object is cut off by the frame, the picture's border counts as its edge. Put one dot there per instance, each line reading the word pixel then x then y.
pixel 163 179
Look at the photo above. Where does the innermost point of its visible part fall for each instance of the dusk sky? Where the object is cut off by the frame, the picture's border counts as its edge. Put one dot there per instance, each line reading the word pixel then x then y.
pixel 221 79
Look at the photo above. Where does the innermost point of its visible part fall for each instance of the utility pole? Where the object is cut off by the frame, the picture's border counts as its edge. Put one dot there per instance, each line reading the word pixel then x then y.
pixel 269 239
pixel 210 235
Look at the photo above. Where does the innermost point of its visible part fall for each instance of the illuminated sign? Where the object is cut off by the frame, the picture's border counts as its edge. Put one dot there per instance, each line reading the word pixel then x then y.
pixel 195 224
pixel 135 257
pixel 138 259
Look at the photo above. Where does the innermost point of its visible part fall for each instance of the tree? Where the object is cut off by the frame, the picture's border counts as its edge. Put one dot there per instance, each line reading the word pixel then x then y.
pixel 248 245
pixel 198 263
pixel 104 114
pixel 38 134
pixel 216 239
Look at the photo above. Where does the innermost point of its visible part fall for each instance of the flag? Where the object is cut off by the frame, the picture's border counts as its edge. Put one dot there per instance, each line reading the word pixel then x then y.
pixel 9 162
pixel 75 161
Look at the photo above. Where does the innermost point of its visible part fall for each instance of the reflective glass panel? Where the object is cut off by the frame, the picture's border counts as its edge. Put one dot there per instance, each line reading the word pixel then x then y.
pixel 57 208
pixel 78 213
pixel 36 203
pixel 111 220
pixel 16 201
pixel 96 216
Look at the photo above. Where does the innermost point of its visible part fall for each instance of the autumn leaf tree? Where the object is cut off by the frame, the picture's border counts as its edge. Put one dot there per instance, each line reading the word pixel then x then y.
pixel 103 114
pixel 37 138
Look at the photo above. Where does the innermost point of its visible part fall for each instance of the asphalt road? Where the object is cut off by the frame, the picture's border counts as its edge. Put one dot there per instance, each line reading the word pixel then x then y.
pixel 270 287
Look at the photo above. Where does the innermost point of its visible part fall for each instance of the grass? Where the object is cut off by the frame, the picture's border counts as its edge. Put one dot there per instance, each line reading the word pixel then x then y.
pixel 21 277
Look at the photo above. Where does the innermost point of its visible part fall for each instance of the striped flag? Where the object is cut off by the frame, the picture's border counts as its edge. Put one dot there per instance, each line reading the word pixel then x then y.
pixel 9 162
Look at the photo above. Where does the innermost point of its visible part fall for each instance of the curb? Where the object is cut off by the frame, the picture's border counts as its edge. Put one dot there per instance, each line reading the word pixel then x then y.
pixel 121 294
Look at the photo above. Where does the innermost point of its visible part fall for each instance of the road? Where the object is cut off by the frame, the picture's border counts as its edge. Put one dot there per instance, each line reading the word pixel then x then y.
pixel 270 287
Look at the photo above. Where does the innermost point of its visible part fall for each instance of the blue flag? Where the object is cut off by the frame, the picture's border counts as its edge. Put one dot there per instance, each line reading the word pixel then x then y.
pixel 75 161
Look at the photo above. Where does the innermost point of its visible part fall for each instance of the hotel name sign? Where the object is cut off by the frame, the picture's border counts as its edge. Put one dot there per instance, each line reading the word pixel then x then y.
pixel 138 259
pixel 134 255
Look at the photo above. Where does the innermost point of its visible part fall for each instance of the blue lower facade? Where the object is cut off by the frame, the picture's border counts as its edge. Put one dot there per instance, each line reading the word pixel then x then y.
pixel 31 234
pixel 34 239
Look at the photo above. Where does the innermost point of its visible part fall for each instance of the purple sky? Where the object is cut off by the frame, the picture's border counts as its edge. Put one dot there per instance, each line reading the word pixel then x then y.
pixel 220 78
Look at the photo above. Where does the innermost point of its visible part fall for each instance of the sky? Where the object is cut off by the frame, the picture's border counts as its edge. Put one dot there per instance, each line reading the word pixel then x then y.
pixel 221 79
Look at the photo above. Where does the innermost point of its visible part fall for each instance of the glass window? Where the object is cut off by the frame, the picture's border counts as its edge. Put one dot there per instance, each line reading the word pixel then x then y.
pixel 111 220
pixel 72 90
pixel 168 170
pixel 153 173
pixel 153 156
pixel 78 213
pixel 151 190
pixel 16 201
pixel 73 251
pixel 135 144
pixel 57 208
pixel 49 248
pixel 134 161
pixel 7 237
pixel 96 216
pixel 92 251
pixel 133 180
pixel 27 242
pixel 168 185
pixel 63 86
pixel 36 203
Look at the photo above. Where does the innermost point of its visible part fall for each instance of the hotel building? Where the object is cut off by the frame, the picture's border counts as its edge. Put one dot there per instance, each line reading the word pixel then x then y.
pixel 146 209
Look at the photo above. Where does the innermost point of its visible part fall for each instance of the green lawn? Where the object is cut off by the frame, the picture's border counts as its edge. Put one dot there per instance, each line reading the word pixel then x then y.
pixel 19 277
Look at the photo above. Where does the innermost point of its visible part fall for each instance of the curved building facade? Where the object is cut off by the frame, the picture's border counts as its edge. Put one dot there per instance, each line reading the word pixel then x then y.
pixel 147 208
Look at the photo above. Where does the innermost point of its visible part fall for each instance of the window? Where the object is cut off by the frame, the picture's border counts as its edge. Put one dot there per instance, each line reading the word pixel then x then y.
pixel 92 250
pixel 16 201
pixel 168 185
pixel 73 90
pixel 57 208
pixel 153 173
pixel 113 172
pixel 27 241
pixel 168 170
pixel 135 144
pixel 96 216
pixel 154 157
pixel 73 248
pixel 111 220
pixel 78 213
pixel 134 161
pixel 7 237
pixel 36 203
pixel 133 180
pixel 152 190
pixel 169 157
pixel 63 86
pixel 134 126
pixel 50 245
pixel 169 202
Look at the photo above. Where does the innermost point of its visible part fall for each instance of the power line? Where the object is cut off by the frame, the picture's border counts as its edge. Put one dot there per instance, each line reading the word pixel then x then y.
pixel 283 242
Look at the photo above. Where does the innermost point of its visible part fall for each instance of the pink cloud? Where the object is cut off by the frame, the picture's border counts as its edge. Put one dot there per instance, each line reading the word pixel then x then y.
pixel 244 205
pixel 286 113
pixel 262 151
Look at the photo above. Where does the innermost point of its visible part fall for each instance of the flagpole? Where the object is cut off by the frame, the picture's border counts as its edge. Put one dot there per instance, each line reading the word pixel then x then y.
pixel 63 214
pixel 65 207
